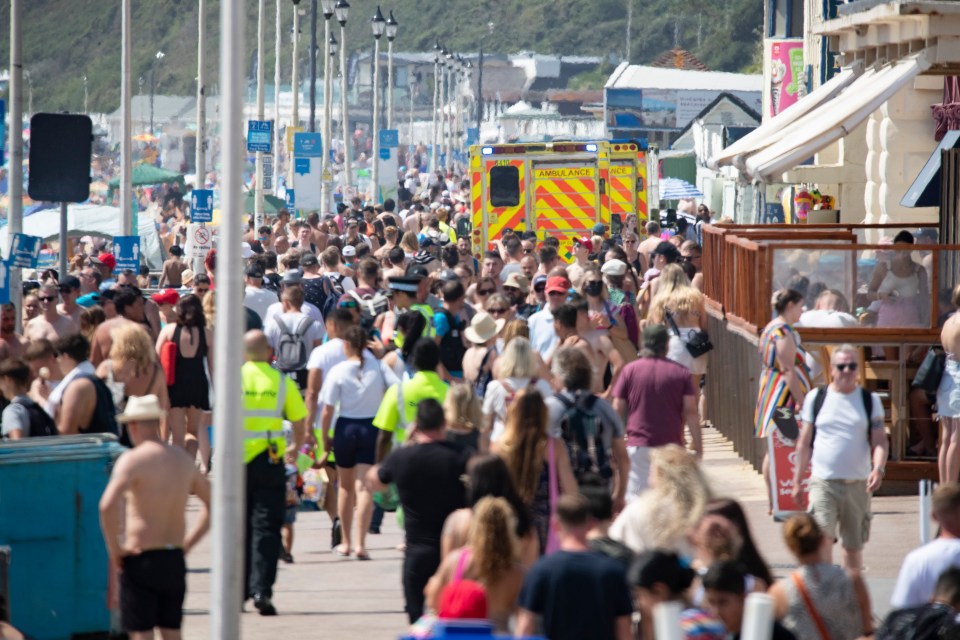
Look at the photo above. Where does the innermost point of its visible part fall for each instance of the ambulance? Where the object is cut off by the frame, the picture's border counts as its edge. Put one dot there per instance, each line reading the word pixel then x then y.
pixel 557 189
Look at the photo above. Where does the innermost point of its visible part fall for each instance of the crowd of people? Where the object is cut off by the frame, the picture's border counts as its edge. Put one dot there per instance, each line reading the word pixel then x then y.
pixel 537 423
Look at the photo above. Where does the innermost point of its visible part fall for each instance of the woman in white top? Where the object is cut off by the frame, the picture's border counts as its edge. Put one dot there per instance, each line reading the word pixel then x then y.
pixel 357 386
pixel 517 368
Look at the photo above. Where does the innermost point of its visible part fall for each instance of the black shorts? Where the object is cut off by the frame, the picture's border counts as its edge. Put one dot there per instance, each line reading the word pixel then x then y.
pixel 153 585
pixel 354 442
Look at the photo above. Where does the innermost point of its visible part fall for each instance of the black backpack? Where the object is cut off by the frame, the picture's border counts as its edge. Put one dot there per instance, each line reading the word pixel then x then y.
pixel 104 418
pixel 292 353
pixel 821 397
pixel 485 377
pixel 580 426
pixel 451 344
pixel 331 292
pixel 932 621
pixel 41 424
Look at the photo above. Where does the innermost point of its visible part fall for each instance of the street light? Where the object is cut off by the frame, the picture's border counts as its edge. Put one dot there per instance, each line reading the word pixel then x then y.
pixel 392 26
pixel 153 86
pixel 326 141
pixel 378 26
pixel 437 57
pixel 333 46
pixel 342 11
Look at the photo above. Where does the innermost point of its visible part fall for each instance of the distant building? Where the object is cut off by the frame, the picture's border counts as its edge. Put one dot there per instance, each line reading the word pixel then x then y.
pixel 658 103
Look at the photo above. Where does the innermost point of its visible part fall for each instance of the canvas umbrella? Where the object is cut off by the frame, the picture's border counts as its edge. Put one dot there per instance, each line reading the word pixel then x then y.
pixel 676 189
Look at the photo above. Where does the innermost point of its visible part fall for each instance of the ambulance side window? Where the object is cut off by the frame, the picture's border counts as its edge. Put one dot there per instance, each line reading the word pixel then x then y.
pixel 504 186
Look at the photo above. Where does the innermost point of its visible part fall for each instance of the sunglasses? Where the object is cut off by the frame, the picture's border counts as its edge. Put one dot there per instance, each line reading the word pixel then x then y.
pixel 528 251
pixel 497 311
pixel 846 366
pixel 199 290
pixel 47 298
pixel 540 289
pixel 485 292
pixel 557 293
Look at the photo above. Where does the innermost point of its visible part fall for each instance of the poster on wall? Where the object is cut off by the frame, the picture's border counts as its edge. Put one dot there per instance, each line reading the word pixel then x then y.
pixel 786 75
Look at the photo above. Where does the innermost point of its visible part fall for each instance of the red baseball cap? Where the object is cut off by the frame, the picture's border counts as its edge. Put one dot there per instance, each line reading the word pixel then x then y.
pixel 167 296
pixel 584 241
pixel 107 260
pixel 557 283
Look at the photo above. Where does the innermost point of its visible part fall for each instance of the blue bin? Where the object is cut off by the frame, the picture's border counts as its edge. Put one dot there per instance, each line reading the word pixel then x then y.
pixel 50 490
pixel 466 630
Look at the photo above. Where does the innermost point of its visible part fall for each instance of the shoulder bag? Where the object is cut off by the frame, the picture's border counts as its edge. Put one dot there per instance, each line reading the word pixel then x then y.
pixel 930 371
pixel 698 343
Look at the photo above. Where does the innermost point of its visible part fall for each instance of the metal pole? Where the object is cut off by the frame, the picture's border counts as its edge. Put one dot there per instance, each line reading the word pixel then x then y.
pixel 86 96
pixel 153 90
pixel 15 213
pixel 413 143
pixel 201 98
pixel 126 132
pixel 443 113
pixel 436 92
pixel 277 46
pixel 63 240
pixel 261 36
pixel 327 135
pixel 344 117
pixel 228 493
pixel 390 84
pixel 295 86
pixel 313 65
pixel 480 91
pixel 375 156
pixel 201 159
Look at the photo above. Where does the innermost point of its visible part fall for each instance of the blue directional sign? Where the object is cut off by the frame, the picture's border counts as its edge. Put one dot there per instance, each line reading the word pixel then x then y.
pixel 301 166
pixel 259 136
pixel 4 283
pixel 389 138
pixel 3 128
pixel 307 145
pixel 126 250
pixel 25 251
pixel 384 153
pixel 291 199
pixel 473 135
pixel 201 205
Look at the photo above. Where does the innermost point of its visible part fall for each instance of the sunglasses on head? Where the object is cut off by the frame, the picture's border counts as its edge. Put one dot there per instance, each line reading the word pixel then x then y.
pixel 846 366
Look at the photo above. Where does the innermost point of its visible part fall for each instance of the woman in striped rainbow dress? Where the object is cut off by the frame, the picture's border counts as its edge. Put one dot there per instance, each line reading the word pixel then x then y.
pixel 785 378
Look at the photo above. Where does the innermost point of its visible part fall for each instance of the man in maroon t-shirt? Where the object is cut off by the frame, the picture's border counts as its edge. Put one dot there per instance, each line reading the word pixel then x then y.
pixel 655 397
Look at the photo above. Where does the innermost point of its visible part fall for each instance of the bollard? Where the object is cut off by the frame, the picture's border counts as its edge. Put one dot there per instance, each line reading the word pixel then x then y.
pixel 666 621
pixel 757 618
pixel 926 496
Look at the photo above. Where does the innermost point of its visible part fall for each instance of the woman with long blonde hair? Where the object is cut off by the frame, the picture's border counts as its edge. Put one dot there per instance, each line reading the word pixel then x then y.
pixel 461 408
pixel 673 505
pixel 516 368
pixel 525 448
pixel 409 244
pixel 491 557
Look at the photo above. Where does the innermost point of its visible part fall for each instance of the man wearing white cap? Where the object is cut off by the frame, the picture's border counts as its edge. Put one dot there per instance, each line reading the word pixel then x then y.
pixel 155 480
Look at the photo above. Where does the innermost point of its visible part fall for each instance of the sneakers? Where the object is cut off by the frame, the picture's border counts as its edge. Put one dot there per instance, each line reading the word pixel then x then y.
pixel 336 535
pixel 263 604
pixel 286 557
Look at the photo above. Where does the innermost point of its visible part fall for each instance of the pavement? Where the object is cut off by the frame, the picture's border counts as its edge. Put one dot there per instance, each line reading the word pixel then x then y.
pixel 328 596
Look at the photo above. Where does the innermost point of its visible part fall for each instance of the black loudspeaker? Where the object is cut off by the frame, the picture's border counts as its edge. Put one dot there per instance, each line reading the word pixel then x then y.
pixel 60 148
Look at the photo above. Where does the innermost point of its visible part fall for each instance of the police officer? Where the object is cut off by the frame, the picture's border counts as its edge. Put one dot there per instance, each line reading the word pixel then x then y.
pixel 269 398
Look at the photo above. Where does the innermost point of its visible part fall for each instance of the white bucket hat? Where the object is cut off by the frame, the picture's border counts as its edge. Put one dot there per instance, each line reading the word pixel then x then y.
pixel 483 328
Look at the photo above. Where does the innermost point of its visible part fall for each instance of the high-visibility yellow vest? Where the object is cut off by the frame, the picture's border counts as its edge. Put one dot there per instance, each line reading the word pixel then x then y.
pixel 264 395
pixel 427 312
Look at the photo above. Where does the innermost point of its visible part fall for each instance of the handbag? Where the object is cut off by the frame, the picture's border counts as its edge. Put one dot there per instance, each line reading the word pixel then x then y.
pixel 168 360
pixel 553 544
pixel 930 371
pixel 697 343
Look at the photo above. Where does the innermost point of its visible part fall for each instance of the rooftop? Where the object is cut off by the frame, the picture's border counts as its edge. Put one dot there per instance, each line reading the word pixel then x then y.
pixel 631 76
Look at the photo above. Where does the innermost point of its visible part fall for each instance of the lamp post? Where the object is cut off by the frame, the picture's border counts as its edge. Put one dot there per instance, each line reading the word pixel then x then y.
pixel 153 86
pixel 342 10
pixel 434 153
pixel 448 124
pixel 378 25
pixel 295 74
pixel 261 37
pixel 392 26
pixel 277 46
pixel 200 158
pixel 313 66
pixel 326 142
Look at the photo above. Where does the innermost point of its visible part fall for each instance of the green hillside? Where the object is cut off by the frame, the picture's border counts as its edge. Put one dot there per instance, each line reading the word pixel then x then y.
pixel 65 40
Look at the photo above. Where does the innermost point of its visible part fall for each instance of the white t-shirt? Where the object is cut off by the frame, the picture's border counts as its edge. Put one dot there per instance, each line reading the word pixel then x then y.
pixel 543 337
pixel 259 300
pixel 921 569
pixel 292 320
pixel 495 400
pixel 511 267
pixel 826 319
pixel 326 356
pixel 841 450
pixel 309 309
pixel 358 392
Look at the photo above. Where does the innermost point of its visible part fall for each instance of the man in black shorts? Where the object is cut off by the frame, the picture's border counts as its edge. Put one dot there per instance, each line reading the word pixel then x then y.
pixel 156 479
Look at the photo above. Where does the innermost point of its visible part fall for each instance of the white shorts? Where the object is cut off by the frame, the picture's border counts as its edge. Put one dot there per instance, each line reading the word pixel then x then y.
pixel 639 478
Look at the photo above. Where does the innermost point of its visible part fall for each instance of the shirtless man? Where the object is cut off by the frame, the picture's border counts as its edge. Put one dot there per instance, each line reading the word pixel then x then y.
pixel 582 248
pixel 155 479
pixel 69 292
pixel 604 352
pixel 173 269
pixel 125 302
pixel 12 345
pixel 565 321
pixel 948 397
pixel 50 325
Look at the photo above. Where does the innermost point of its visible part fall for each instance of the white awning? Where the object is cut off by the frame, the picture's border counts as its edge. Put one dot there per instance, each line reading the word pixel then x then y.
pixel 772 130
pixel 836 118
